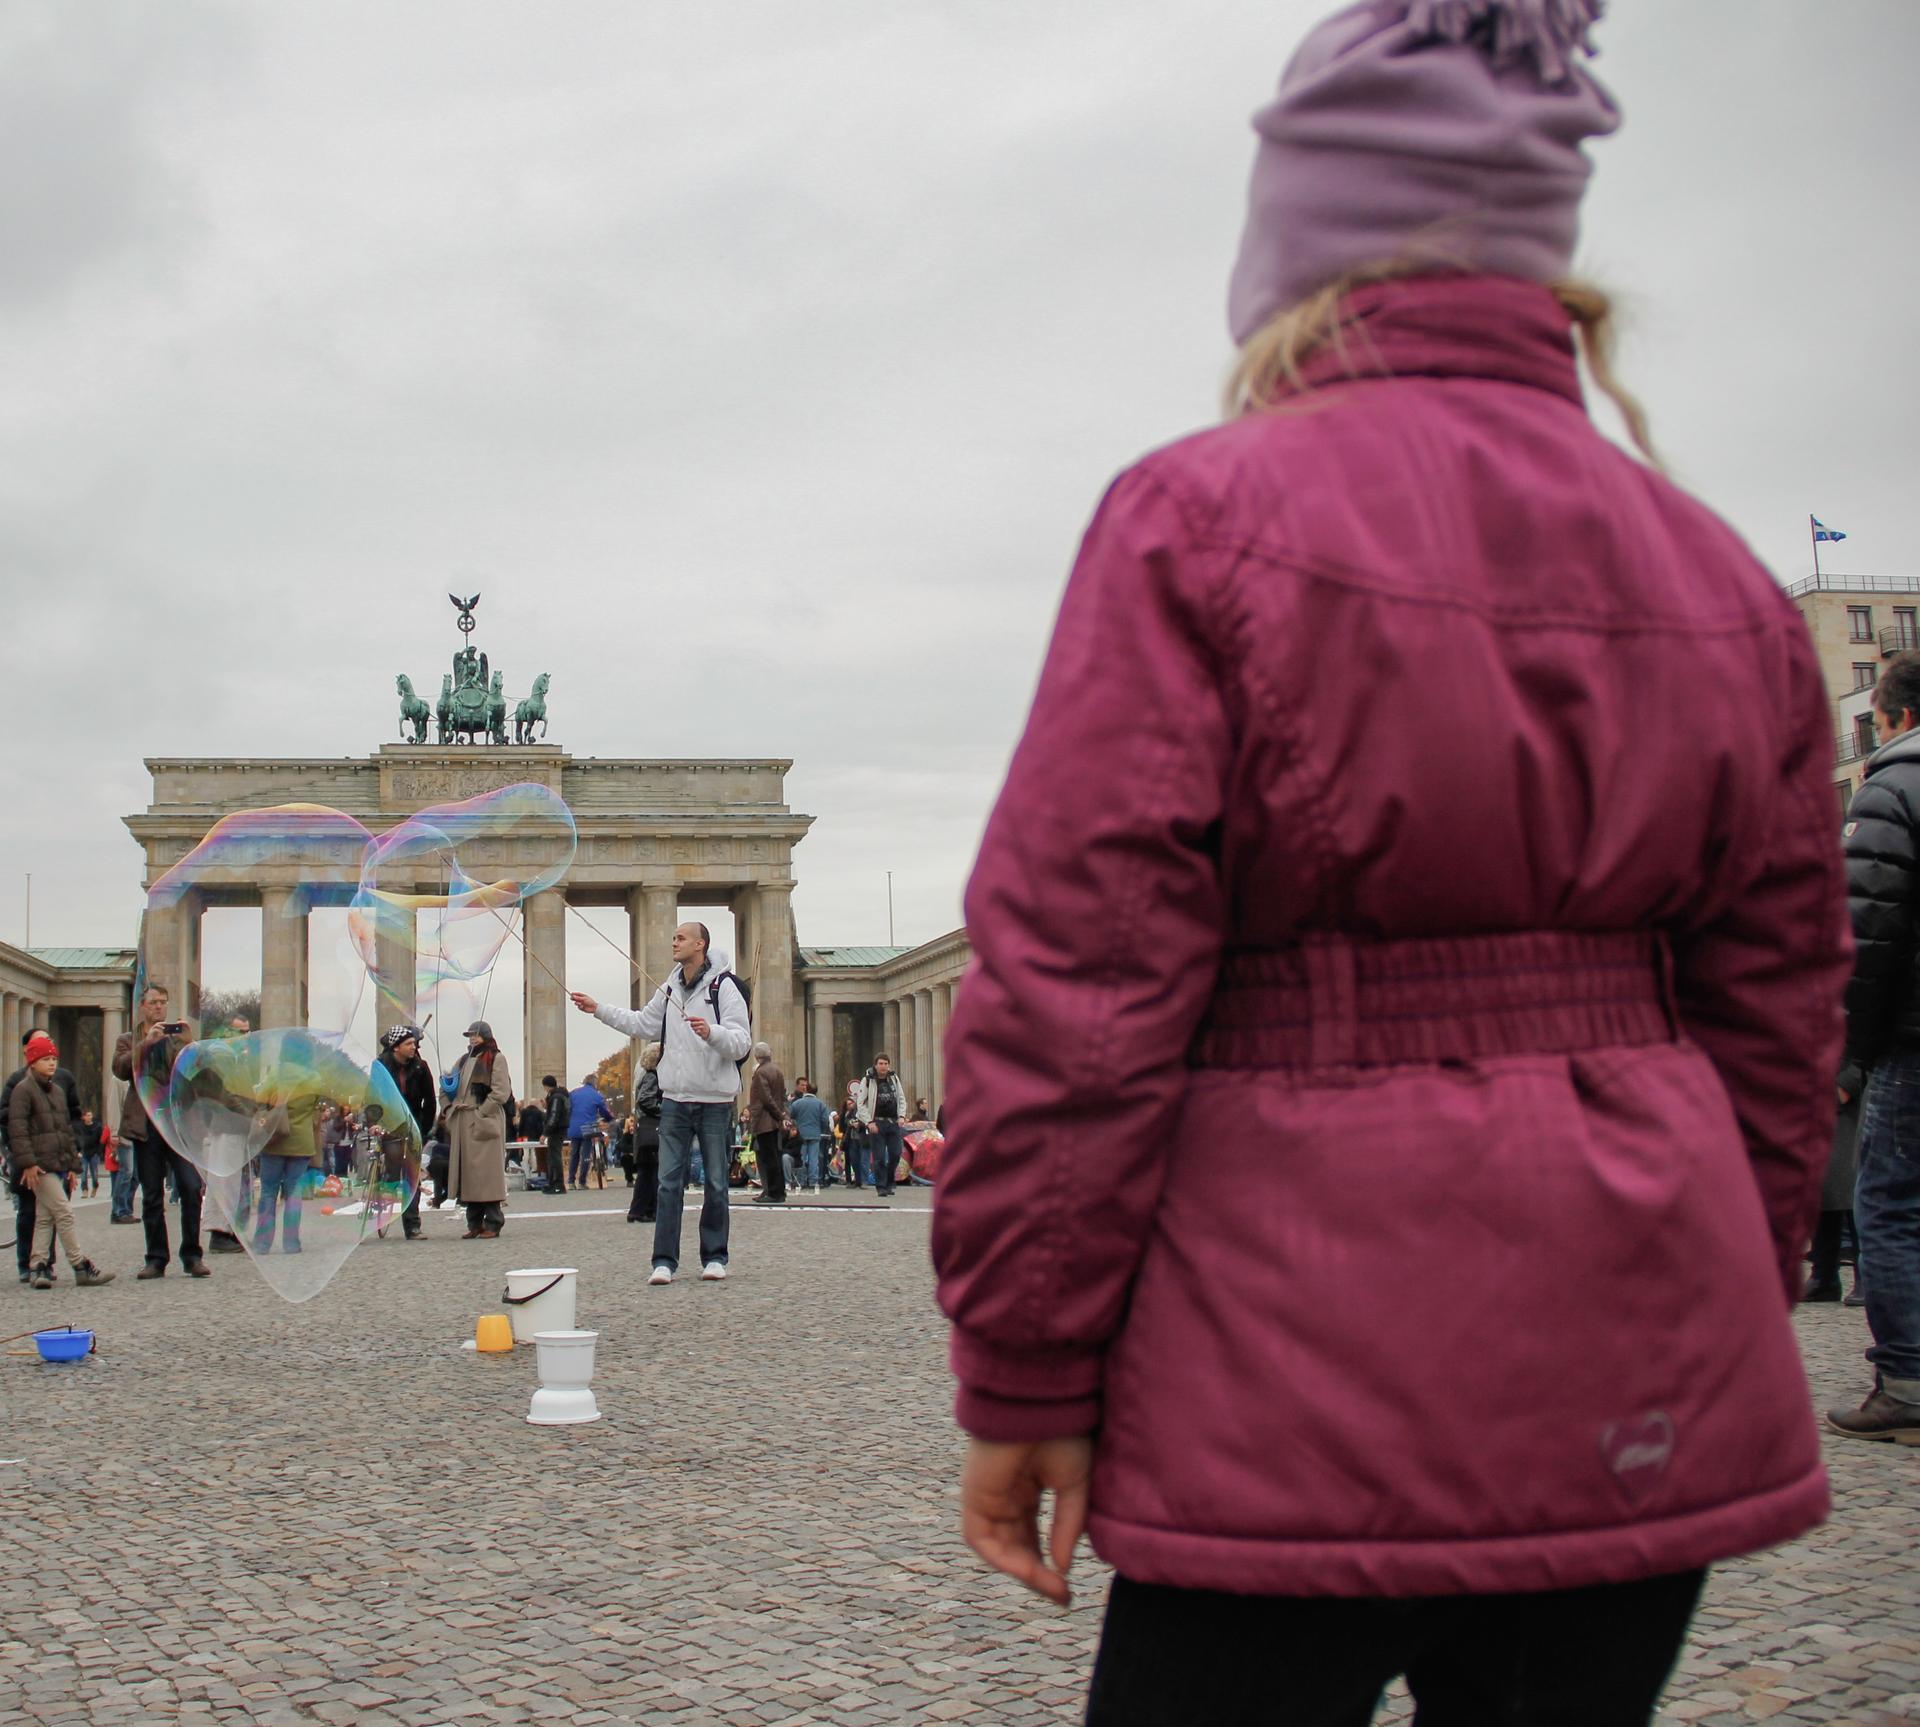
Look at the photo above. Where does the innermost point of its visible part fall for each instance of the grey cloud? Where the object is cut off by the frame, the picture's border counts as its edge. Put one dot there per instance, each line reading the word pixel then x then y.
pixel 86 184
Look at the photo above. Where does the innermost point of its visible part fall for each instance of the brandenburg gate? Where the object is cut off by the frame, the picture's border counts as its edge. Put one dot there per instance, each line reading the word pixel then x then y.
pixel 655 837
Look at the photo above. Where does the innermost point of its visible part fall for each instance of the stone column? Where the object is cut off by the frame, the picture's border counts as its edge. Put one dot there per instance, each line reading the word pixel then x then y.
pixel 396 963
pixel 636 947
pixel 653 914
pixel 923 1045
pixel 302 970
pixel 545 1000
pixel 908 1047
pixel 10 1030
pixel 171 954
pixel 283 949
pixel 820 1051
pixel 112 1024
pixel 942 1008
pixel 773 1002
pixel 191 959
pixel 889 1033
pixel 746 942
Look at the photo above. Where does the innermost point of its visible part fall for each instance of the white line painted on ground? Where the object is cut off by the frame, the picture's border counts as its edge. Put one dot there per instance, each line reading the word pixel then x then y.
pixel 692 1207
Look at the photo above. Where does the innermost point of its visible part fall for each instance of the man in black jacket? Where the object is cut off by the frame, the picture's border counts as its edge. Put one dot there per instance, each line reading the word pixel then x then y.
pixel 1882 838
pixel 413 1079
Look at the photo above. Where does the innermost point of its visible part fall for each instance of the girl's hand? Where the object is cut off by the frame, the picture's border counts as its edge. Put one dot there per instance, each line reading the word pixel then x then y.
pixel 1000 1489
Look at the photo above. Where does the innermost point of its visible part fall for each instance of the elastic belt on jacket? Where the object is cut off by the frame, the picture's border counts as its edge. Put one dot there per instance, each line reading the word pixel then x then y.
pixel 1337 1001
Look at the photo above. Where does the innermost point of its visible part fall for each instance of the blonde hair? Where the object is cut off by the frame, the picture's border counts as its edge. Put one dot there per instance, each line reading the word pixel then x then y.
pixel 650 1055
pixel 1268 373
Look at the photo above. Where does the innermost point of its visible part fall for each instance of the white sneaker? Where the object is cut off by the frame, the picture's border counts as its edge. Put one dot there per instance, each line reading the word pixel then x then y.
pixel 661 1275
pixel 713 1273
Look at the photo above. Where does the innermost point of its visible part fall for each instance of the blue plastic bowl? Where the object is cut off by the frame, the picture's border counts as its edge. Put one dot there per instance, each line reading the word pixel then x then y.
pixel 63 1345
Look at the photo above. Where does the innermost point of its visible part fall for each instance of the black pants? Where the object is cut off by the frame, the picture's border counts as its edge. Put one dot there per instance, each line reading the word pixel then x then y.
pixel 1829 1239
pixel 773 1174
pixel 486 1217
pixel 886 1144
pixel 156 1160
pixel 557 1163
pixel 646 1183
pixel 1569 1658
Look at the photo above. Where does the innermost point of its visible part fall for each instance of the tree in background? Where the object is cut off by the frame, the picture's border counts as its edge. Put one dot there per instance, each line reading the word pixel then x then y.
pixel 217 1006
pixel 614 1078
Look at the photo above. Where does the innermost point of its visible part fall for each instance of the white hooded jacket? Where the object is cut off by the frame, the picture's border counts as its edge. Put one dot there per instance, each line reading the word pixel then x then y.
pixel 692 1069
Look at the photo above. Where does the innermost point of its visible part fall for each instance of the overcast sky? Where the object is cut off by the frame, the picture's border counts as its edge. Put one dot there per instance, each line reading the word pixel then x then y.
pixel 760 363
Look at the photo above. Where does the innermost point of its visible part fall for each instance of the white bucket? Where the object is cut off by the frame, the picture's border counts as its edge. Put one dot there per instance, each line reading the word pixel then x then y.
pixel 540 1300
pixel 565 1397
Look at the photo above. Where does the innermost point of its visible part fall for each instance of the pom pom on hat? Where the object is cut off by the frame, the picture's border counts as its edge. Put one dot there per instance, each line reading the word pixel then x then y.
pixel 1550 30
pixel 39 1047
pixel 1443 133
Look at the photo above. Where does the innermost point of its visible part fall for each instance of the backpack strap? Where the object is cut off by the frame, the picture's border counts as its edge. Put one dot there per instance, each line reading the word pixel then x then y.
pixel 713 992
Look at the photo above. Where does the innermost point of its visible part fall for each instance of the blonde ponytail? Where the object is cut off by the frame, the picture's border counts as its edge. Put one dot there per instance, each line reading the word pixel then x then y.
pixel 1268 373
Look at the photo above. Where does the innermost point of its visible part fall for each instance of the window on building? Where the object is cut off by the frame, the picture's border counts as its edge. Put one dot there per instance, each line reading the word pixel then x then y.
pixel 1865 673
pixel 1845 789
pixel 1863 733
pixel 1859 623
pixel 1906 627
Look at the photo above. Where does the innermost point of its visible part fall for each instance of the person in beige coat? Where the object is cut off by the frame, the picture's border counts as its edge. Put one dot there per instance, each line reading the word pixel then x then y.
pixel 477 1134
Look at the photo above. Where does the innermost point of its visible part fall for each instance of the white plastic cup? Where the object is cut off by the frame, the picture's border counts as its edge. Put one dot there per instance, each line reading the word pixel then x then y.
pixel 565 1365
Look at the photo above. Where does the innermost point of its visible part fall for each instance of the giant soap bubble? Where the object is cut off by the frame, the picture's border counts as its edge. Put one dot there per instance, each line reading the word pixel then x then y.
pixel 442 887
pixel 306 1144
pixel 306 1153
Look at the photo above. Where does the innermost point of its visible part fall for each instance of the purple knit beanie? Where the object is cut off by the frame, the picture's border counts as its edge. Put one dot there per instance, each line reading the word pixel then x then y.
pixel 1441 131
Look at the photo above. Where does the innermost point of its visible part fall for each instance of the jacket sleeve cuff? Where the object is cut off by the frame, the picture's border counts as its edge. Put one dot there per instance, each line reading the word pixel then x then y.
pixel 1019 1396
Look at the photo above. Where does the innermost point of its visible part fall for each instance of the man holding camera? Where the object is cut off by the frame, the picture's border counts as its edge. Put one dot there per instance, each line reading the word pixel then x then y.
pixel 148 1053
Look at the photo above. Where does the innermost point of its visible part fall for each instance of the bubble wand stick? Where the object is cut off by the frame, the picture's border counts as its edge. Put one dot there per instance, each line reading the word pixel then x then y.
pixel 638 971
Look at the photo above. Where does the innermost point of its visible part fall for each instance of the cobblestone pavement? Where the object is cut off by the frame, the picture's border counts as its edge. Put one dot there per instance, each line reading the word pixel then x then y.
pixel 281 1515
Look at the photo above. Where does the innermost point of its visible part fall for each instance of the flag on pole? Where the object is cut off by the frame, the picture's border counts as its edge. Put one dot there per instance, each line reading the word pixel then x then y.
pixel 1822 532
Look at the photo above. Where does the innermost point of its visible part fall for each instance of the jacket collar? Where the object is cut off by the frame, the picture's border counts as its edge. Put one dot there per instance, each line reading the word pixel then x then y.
pixel 1496 327
pixel 1906 747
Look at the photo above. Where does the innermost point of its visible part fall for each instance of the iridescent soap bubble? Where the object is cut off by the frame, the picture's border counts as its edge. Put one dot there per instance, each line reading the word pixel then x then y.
pixel 305 1143
pixel 306 1153
pixel 294 858
pixel 444 885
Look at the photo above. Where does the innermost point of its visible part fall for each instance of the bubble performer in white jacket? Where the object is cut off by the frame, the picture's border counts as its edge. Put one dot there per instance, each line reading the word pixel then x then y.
pixel 700 1017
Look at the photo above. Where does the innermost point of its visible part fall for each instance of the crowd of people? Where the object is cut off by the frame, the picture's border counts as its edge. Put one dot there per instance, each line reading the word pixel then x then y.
pixel 460 1133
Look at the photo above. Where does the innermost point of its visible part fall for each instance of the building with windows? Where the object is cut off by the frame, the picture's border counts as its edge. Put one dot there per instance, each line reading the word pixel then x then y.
pixel 862 1000
pixel 83 996
pixel 1857 624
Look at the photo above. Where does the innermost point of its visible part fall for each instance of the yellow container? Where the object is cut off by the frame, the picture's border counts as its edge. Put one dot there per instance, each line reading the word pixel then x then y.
pixel 493 1334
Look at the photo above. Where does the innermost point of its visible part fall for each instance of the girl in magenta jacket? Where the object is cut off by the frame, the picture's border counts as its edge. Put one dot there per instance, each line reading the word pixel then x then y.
pixel 1389 1101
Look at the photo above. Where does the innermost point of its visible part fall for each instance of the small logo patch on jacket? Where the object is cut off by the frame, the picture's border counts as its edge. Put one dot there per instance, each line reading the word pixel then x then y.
pixel 1638 1451
pixel 1852 828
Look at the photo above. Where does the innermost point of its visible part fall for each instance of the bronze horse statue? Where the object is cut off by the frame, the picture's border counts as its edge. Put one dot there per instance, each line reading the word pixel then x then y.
pixel 532 711
pixel 413 712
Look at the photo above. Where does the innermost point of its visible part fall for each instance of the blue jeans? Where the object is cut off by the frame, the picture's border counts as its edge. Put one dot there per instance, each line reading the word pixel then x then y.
pixel 124 1180
pixel 680 1125
pixel 577 1167
pixel 280 1178
pixel 810 1158
pixel 887 1144
pixel 1886 1213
